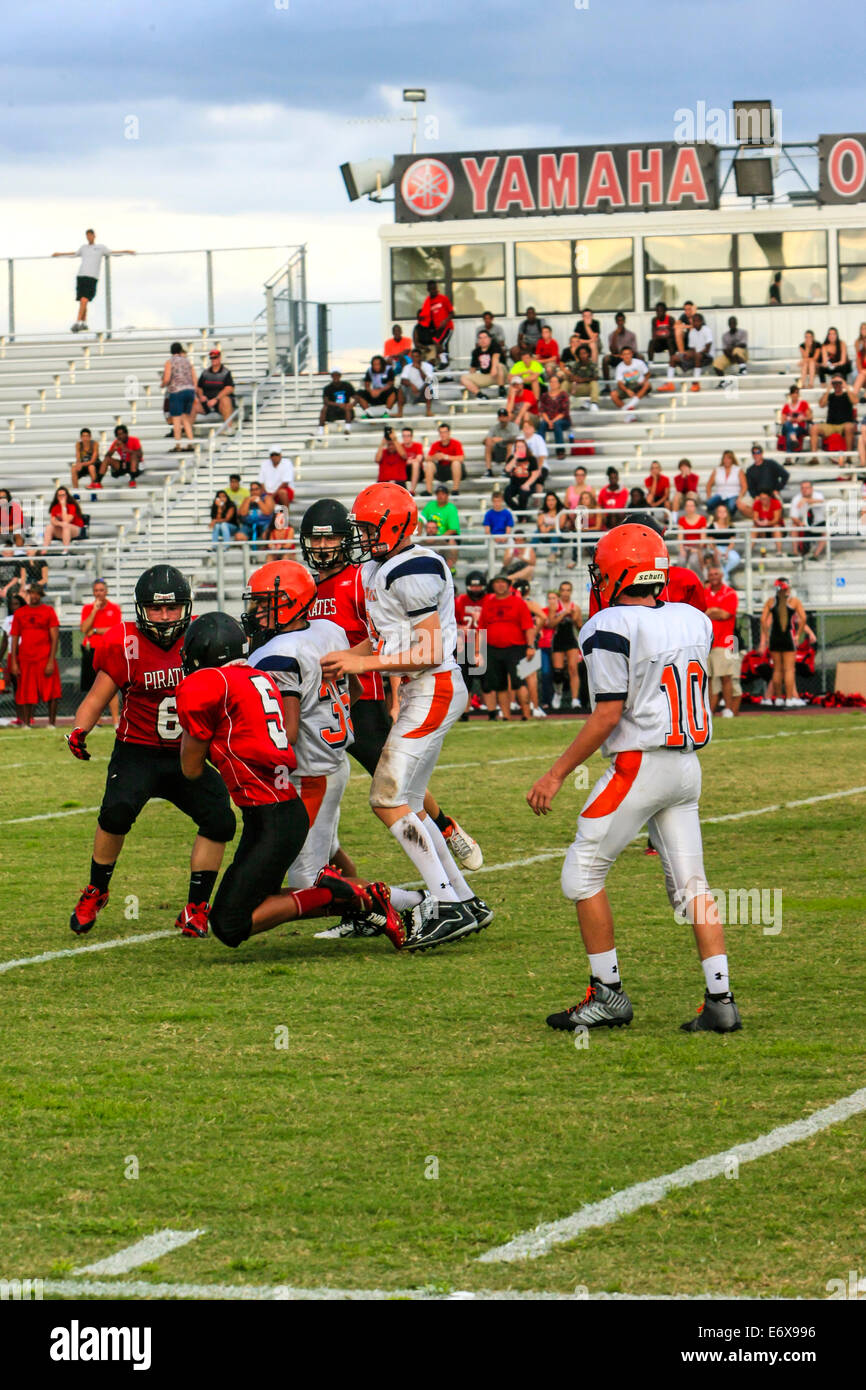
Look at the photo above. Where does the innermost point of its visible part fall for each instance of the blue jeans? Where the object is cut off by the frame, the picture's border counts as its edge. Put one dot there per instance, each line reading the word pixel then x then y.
pixel 717 501
pixel 732 559
pixel 559 428
pixel 793 434
pixel 223 531
pixel 545 694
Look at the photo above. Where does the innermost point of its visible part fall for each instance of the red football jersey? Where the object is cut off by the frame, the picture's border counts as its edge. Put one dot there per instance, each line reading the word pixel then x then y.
pixel 467 610
pixel 239 712
pixel 148 676
pixel 340 599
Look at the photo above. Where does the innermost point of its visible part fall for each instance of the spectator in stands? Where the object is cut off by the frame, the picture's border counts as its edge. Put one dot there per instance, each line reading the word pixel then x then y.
pixel 726 483
pixel 548 527
pixel 553 414
pixel 254 514
pixel 503 433
pixel 417 384
pixel 807 514
pixel 280 536
pixel 590 519
pixel 397 349
pixel 337 399
pixel 498 520
pixel 663 339
pixel 524 390
pixel 378 388
pixel 632 383
pixel 510 633
pixel 686 482
pixel 692 525
pixel 485 367
pixel 528 334
pixel 588 330
pixel 783 626
pixel 860 361
pixel 683 325
pixel 34 570
pixel 35 631
pixel 445 461
pixel 620 338
pixel 576 487
pixel 437 314
pixel 796 419
pixel 724 663
pixel 833 359
pixel 65 522
pixel 391 459
pixel 277 477
pixel 526 474
pixel 547 349
pixel 414 456
pixel 91 255
pixel 767 518
pixel 495 333
pixel 721 542
pixel 638 507
pixel 698 350
pixel 124 456
pixel 87 460
pixel 810 355
pixel 11 519
pixel 445 517
pixel 734 351
pixel 537 446
pixel 583 376
pixel 657 486
pixel 520 560
pixel 178 380
pixel 224 518
pixel 613 499
pixel 763 475
pixel 236 493
pixel 97 618
pixel 214 392
pixel 840 401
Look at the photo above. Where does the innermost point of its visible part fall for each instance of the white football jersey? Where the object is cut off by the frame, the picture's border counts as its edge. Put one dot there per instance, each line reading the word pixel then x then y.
pixel 655 659
pixel 403 590
pixel 293 660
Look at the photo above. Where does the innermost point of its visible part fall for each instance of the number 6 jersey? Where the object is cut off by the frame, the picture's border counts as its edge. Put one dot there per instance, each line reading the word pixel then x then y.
pixel 294 659
pixel 238 711
pixel 655 660
pixel 148 676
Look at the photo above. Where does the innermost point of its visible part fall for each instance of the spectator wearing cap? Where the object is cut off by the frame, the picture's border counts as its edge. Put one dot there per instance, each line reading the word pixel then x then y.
pixel 498 519
pixel 796 420
pixel 485 366
pixel 501 435
pixel 763 475
pixel 734 350
pixel 806 514
pixel 444 462
pixel 337 399
pixel 178 380
pixel 442 511
pixel 215 388
pixel 97 618
pixel 620 337
pixel 510 634
pixel 397 348
pixel 724 663
pixel 840 401
pixel 417 384
pixel 277 477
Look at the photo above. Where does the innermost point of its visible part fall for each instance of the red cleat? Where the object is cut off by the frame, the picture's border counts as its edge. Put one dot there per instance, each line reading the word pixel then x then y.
pixel 193 920
pixel 382 915
pixel 344 891
pixel 90 902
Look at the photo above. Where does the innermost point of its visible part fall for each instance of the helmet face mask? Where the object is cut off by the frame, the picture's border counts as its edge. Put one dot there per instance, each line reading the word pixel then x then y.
pixel 162 586
pixel 277 596
pixel 326 536
pixel 382 517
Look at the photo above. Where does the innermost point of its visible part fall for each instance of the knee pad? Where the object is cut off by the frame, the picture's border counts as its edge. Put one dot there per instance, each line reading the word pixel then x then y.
pixel 218 825
pixel 230 928
pixel 117 819
pixel 584 871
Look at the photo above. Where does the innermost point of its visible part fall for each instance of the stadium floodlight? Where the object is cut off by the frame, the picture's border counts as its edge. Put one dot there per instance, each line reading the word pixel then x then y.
pixel 754 178
pixel 367 176
pixel 753 122
pixel 414 93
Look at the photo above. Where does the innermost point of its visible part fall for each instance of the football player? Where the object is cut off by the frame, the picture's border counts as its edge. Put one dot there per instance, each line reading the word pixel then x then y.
pixel 409 596
pixel 142 659
pixel 231 713
pixel 647 671
pixel 326 540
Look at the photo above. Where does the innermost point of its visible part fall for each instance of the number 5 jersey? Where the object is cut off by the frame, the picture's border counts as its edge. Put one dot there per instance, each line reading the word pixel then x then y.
pixel 237 710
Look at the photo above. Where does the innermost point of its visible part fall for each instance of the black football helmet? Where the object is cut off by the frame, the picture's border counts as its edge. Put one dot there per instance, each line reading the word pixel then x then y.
pixel 212 640
pixel 326 521
pixel 476 584
pixel 162 584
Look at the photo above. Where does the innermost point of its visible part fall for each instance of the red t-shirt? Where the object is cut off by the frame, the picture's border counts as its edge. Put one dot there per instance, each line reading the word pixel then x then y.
pixel 610 499
pixel 723 628
pixel 792 411
pixel 392 467
pixel 437 311
pixel 769 513
pixel 505 620
pixel 454 449
pixel 73 515
pixel 662 484
pixel 239 712
pixel 108 617
pixel 697 524
pixel 683 586
pixel 547 349
pixel 32 626
pixel 340 599
pixel 123 451
pixel 148 676
pixel 413 451
pixel 687 482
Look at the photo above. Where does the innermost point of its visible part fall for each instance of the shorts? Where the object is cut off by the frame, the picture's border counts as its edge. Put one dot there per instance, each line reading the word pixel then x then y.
pixel 85 287
pixel 137 773
pixel 33 685
pixel 659 788
pixel 661 345
pixel 335 412
pixel 372 726
pixel 442 471
pixel 825 429
pixel 481 378
pixel 369 399
pixel 724 662
pixel 429 706
pixel 501 669
pixel 564 639
pixel 180 402
pixel 211 406
pixel 271 838
pixel 321 797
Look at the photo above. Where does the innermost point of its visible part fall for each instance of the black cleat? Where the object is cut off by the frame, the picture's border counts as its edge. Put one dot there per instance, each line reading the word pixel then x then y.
pixel 601 1007
pixel 484 913
pixel 453 922
pixel 714 1016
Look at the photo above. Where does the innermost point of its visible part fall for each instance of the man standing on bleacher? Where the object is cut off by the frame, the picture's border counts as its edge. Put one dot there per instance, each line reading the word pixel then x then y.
pixel 91 254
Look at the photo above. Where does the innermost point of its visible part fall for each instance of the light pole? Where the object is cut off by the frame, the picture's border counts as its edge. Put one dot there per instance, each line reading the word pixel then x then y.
pixel 416 95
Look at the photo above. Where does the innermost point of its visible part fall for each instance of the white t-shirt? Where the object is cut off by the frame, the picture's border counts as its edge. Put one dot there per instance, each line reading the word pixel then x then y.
pixel 401 592
pixel 801 506
pixel 293 660
pixel 417 380
pixel 725 485
pixel 632 375
pixel 536 446
pixel 273 476
pixel 700 340
pixel 91 258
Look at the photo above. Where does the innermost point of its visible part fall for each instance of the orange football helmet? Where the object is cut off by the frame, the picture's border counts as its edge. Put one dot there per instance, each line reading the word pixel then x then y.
pixel 629 554
pixel 382 516
pixel 276 595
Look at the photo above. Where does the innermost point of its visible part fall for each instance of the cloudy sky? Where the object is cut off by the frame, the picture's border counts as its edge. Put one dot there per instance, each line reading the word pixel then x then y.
pixel 241 114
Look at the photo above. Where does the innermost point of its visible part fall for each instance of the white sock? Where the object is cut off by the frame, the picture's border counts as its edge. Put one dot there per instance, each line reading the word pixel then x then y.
pixel 411 834
pixel 605 968
pixel 716 974
pixel 670 373
pixel 696 371
pixel 449 863
pixel 403 898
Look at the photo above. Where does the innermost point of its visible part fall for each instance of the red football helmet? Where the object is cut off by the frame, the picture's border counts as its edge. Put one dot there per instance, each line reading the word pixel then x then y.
pixel 382 516
pixel 275 596
pixel 629 554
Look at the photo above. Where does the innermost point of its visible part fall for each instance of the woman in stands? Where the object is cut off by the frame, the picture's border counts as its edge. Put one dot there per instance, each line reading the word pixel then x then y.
pixel 65 520
pixel 34 570
pixel 178 380
pixel 224 518
pixel 11 519
pixel 834 356
pixel 720 542
pixel 810 353
pixel 280 536
pixel 692 526
pixel 548 526
pixel 860 359
pixel 87 460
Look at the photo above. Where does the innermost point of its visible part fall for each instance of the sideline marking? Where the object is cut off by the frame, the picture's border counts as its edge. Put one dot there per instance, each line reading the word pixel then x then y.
pixel 530 1244
pixel 151 1248
pixel 83 950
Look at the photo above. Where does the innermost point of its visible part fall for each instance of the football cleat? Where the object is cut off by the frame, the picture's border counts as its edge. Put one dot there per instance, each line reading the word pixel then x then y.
pixel 382 915
pixel 466 851
pixel 484 913
pixel 347 927
pixel 414 918
pixel 84 915
pixel 345 893
pixel 714 1016
pixel 601 1007
pixel 452 922
pixel 192 921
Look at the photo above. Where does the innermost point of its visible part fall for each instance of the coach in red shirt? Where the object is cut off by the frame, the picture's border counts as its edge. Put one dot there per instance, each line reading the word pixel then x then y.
pixel 724 664
pixel 509 633
pixel 96 619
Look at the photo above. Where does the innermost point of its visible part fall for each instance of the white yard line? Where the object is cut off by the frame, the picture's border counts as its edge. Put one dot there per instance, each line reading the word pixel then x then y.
pixel 540 1241
pixel 51 815
pixel 140 1289
pixel 150 1248
pixel 782 806
pixel 83 950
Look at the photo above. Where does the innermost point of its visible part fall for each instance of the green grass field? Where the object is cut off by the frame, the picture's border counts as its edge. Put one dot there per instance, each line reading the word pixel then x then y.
pixel 308 1165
